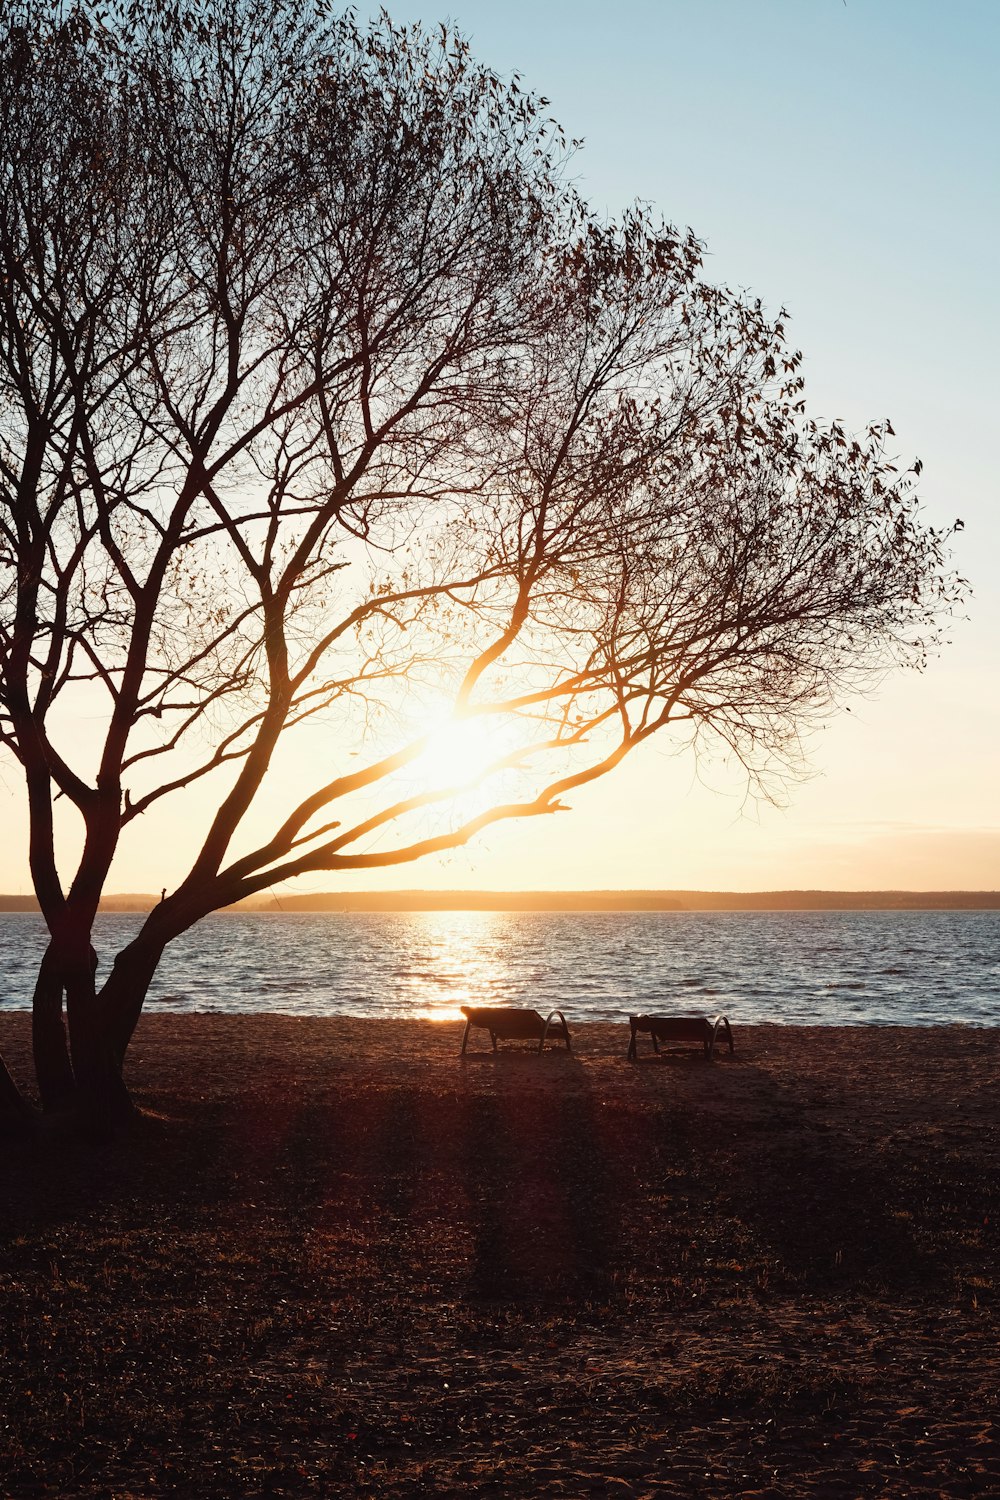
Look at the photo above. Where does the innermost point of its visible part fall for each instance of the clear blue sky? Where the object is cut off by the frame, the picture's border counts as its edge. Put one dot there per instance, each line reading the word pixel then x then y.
pixel 840 158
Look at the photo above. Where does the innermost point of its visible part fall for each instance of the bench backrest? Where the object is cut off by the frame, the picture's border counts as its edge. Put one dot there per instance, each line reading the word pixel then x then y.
pixel 674 1028
pixel 506 1021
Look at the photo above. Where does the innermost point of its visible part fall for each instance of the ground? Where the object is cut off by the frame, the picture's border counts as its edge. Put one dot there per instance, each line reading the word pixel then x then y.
pixel 332 1259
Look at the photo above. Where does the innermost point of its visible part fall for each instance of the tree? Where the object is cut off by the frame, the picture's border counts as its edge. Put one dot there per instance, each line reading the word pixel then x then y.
pixel 324 398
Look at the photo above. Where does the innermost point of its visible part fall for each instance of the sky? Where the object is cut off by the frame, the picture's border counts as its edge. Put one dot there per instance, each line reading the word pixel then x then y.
pixel 840 160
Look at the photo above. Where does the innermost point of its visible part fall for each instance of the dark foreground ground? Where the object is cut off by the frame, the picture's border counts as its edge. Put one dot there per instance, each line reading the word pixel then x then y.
pixel 335 1260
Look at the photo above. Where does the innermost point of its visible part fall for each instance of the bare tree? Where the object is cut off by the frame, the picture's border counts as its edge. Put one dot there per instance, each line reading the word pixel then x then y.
pixel 323 398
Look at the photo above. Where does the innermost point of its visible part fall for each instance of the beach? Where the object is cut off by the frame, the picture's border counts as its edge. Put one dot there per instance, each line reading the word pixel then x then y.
pixel 332 1257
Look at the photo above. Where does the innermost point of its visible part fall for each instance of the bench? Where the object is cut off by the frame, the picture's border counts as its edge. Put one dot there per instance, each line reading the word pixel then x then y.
pixel 679 1029
pixel 511 1023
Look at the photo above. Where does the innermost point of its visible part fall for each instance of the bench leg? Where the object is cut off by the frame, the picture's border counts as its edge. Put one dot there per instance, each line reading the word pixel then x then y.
pixel 465 1038
pixel 721 1021
pixel 548 1023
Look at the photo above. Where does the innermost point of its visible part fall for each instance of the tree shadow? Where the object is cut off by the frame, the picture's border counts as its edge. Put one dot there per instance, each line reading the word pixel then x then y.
pixel 524 1179
pixel 810 1204
pixel 543 1195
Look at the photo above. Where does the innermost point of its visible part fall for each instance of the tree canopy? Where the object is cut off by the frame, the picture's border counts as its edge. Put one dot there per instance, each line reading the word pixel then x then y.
pixel 325 398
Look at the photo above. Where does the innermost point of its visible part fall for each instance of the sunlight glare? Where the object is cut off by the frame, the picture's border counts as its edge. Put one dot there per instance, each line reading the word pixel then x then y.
pixel 458 753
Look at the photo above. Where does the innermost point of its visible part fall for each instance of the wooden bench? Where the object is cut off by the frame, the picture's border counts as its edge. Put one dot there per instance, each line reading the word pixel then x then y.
pixel 511 1023
pixel 679 1029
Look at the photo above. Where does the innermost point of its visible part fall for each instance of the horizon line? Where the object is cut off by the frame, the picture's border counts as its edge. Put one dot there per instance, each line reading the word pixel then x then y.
pixel 566 899
pixel 571 890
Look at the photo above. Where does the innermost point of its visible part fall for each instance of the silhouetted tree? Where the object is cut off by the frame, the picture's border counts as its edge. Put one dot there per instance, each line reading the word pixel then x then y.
pixel 324 398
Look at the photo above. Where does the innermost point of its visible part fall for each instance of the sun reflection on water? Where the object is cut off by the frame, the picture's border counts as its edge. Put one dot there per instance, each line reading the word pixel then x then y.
pixel 454 958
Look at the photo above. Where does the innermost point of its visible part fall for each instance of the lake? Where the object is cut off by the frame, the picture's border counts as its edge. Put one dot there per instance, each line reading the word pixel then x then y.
pixel 913 968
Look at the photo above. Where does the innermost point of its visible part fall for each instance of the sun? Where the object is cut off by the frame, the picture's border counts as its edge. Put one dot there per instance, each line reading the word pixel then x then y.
pixel 467 765
pixel 458 753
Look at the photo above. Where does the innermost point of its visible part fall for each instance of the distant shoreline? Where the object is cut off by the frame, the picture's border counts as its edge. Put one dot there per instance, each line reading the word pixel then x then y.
pixel 581 901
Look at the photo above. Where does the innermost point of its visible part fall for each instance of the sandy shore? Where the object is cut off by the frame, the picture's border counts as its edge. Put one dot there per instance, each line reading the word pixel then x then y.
pixel 333 1259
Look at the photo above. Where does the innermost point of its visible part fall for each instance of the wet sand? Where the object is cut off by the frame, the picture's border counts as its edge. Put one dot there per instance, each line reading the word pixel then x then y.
pixel 333 1259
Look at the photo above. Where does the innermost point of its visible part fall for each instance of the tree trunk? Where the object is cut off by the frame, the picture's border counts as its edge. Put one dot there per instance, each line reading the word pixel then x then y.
pixel 101 1088
pixel 88 1072
pixel 124 992
pixel 53 1069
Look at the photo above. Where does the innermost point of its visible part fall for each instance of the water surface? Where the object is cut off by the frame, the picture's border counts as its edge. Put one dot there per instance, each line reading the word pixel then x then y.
pixel 914 968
